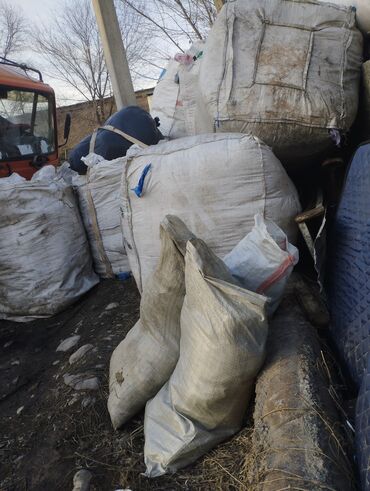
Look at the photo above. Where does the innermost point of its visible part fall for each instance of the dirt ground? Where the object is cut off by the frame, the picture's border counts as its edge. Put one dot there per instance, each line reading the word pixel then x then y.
pixel 49 430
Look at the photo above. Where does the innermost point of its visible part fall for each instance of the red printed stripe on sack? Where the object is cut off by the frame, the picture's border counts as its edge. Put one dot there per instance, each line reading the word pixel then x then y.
pixel 276 275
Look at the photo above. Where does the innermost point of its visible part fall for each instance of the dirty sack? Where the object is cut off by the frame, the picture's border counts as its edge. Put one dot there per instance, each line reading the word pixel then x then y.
pixel 99 199
pixel 263 261
pixel 222 347
pixel 216 183
pixel 45 262
pixel 174 97
pixel 145 359
pixel 286 71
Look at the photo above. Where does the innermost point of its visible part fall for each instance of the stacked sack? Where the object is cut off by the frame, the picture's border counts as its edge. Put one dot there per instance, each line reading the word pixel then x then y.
pixel 45 262
pixel 99 198
pixel 286 71
pixel 199 342
pixel 261 262
pixel 175 96
pixel 216 183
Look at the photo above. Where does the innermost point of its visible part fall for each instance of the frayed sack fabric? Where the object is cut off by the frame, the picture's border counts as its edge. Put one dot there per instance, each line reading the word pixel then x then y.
pixel 222 347
pixel 175 96
pixel 215 183
pixel 145 359
pixel 45 262
pixel 99 199
pixel 263 261
pixel 286 71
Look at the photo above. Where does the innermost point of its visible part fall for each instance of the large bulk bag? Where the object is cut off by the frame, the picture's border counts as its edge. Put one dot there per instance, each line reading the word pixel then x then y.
pixel 222 348
pixel 132 122
pixel 175 96
pixel 145 359
pixel 215 183
pixel 286 71
pixel 99 199
pixel 362 11
pixel 45 262
pixel 348 272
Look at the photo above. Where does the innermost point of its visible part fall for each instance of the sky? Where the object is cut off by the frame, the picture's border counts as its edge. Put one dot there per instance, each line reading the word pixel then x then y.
pixel 37 10
pixel 40 12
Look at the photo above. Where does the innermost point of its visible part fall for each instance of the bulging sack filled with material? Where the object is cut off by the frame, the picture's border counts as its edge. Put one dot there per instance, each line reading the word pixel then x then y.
pixel 99 200
pixel 145 359
pixel 215 183
pixel 175 96
pixel 286 71
pixel 222 347
pixel 45 262
pixel 263 261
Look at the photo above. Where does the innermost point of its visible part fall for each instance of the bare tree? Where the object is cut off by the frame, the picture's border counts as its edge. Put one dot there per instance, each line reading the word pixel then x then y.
pixel 13 29
pixel 73 50
pixel 176 21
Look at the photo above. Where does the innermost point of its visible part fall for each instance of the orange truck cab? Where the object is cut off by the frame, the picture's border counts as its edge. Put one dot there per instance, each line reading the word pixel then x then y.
pixel 28 132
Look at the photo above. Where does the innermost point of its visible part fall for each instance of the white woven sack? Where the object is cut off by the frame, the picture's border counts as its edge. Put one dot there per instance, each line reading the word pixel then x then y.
pixel 99 199
pixel 45 262
pixel 263 261
pixel 287 71
pixel 215 183
pixel 175 96
pixel 222 347
pixel 145 359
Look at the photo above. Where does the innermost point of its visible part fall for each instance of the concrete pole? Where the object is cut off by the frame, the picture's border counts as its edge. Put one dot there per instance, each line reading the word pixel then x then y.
pixel 114 52
pixel 219 4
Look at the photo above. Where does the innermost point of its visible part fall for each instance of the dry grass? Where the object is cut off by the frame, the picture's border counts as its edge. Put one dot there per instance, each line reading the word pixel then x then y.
pixel 116 458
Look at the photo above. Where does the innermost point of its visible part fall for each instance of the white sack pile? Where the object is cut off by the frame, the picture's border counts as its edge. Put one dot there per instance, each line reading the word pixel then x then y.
pixel 145 359
pixel 45 261
pixel 222 348
pixel 286 71
pixel 99 199
pixel 175 96
pixel 215 183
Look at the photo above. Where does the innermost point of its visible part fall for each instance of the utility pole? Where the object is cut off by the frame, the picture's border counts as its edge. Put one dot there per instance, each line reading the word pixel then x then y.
pixel 114 53
pixel 219 4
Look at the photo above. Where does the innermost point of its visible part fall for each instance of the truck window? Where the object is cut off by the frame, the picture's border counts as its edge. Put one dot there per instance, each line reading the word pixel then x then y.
pixel 26 124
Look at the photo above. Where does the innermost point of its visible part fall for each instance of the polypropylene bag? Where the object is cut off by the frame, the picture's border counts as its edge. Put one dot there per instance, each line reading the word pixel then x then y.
pixel 215 183
pixel 222 347
pixel 175 96
pixel 286 71
pixel 45 261
pixel 99 200
pixel 263 261
pixel 145 359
